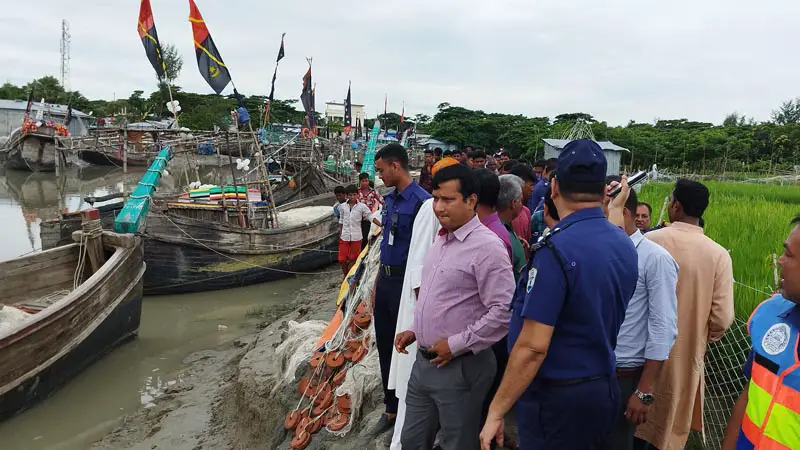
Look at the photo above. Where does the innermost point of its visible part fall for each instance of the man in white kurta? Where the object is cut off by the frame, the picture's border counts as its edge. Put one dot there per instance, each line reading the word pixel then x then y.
pixel 426 226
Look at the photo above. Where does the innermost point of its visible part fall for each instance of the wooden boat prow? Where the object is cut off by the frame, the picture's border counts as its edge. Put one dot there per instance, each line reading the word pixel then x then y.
pixel 53 345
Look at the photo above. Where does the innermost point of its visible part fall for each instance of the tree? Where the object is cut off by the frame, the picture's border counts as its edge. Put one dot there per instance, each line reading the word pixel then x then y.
pixel 574 117
pixel 788 112
pixel 173 61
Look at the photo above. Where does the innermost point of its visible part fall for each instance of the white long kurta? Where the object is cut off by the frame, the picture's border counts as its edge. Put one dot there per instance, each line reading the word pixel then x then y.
pixel 426 226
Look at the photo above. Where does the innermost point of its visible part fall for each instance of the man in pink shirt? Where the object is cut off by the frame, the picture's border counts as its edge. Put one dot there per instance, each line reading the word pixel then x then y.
pixel 462 309
pixel 488 190
pixel 522 224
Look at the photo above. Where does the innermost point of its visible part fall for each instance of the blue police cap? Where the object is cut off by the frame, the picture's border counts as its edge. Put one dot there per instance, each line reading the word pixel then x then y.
pixel 582 161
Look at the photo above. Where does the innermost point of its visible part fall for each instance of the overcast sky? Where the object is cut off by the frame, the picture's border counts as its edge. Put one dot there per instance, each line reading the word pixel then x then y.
pixel 615 59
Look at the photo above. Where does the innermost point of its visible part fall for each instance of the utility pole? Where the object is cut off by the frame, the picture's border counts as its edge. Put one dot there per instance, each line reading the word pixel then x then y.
pixel 65 44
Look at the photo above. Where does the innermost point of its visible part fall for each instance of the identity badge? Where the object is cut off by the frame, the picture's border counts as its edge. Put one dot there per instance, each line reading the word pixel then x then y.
pixel 531 278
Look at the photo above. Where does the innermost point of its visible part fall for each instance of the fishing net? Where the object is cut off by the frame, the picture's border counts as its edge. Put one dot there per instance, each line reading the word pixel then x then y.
pixel 298 346
pixel 356 373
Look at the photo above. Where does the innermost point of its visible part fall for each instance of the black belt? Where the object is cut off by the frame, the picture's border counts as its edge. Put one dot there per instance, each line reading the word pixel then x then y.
pixel 393 271
pixel 568 381
pixel 429 355
pixel 629 372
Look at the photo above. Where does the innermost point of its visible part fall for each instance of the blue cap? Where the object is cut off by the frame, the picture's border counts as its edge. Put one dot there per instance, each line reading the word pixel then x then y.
pixel 582 161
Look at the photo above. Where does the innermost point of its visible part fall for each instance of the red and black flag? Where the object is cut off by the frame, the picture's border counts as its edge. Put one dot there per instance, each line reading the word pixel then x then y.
pixel 348 113
pixel 307 98
pixel 149 37
pixel 209 61
pixel 281 54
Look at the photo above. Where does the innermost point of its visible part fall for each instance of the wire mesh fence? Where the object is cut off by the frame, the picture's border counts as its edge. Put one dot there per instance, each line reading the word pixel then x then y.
pixel 724 382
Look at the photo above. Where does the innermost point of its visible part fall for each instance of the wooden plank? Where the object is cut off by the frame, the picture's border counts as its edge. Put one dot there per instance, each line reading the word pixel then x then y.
pixel 134 214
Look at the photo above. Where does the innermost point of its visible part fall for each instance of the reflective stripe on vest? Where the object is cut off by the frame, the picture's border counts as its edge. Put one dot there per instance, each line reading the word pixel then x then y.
pixel 772 416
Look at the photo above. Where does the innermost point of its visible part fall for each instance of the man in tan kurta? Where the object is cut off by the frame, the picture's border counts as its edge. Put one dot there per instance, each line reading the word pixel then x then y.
pixel 705 311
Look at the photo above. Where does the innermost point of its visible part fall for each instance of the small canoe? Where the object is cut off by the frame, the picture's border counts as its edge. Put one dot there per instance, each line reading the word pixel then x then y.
pixel 50 332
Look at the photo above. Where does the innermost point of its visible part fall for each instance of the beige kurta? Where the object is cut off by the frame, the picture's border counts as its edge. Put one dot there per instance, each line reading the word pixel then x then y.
pixel 705 301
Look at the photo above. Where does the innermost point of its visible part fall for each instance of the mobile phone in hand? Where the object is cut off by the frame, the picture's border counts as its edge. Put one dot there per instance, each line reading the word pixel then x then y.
pixel 637 178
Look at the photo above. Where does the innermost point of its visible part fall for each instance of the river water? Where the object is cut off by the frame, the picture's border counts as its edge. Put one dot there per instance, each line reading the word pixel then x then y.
pixel 172 327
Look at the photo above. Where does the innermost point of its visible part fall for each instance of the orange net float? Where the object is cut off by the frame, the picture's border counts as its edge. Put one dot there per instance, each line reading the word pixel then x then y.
pixel 325 399
pixel 359 354
pixel 300 442
pixel 292 419
pixel 302 386
pixel 335 359
pixel 348 354
pixel 343 403
pixel 353 344
pixel 302 427
pixel 318 412
pixel 338 379
pixel 317 359
pixel 362 320
pixel 338 422
pixel 361 309
pixel 315 425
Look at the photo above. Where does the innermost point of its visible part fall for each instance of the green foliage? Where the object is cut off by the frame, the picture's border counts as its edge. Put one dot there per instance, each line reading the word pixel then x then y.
pixel 749 220
pixel 173 61
pixel 738 145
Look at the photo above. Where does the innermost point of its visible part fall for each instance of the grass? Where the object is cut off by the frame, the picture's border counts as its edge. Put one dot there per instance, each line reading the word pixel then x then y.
pixel 749 220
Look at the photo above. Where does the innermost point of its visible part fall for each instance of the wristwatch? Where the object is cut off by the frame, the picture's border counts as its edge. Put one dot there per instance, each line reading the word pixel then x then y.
pixel 647 399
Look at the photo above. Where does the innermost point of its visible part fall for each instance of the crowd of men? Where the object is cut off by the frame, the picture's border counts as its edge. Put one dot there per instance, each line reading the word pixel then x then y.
pixel 533 289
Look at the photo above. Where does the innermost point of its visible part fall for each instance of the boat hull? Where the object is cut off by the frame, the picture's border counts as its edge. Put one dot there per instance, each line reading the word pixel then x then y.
pixel 33 153
pixel 100 158
pixel 181 269
pixel 121 326
pixel 62 339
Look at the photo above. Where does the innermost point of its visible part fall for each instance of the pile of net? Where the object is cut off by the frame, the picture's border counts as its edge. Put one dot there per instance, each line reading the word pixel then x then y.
pixel 334 377
pixel 11 318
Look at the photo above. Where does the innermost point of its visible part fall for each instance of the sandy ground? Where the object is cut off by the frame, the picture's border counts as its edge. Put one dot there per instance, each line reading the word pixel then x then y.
pixel 228 399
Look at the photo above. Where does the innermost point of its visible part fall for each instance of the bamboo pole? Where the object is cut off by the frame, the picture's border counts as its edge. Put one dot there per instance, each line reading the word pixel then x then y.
pixel 242 222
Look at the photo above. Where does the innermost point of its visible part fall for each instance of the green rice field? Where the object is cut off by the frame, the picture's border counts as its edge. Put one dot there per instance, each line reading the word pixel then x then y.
pixel 751 221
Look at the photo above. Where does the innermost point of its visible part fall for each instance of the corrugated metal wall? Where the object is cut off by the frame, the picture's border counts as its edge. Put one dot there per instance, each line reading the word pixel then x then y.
pixel 613 158
pixel 12 118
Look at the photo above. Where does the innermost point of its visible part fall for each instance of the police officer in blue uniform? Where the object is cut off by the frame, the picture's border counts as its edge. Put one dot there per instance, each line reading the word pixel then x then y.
pixel 400 208
pixel 568 307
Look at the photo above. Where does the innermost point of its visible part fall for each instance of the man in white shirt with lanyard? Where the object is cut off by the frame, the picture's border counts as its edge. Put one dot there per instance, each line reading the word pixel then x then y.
pixel 647 333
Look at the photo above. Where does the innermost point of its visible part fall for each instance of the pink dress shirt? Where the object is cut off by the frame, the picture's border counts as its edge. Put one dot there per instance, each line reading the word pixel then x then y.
pixel 493 223
pixel 522 224
pixel 466 290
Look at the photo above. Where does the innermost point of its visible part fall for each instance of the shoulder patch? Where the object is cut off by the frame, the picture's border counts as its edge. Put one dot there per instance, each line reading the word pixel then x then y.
pixel 531 278
pixel 776 339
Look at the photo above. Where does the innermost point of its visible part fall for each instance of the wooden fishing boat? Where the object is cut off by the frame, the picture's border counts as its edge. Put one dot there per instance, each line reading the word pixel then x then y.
pixel 309 181
pixel 112 157
pixel 57 232
pixel 33 150
pixel 194 248
pixel 68 328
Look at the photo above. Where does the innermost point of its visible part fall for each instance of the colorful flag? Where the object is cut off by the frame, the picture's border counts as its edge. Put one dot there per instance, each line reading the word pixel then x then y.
pixel 348 113
pixel 403 113
pixel 209 61
pixel 149 37
pixel 281 54
pixel 307 98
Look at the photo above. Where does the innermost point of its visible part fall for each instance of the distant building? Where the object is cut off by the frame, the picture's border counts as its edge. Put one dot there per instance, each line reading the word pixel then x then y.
pixel 334 112
pixel 13 111
pixel 429 143
pixel 613 152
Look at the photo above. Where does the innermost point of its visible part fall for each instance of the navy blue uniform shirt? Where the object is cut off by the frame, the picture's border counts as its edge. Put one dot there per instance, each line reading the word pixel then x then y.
pixel 400 208
pixel 537 196
pixel 588 306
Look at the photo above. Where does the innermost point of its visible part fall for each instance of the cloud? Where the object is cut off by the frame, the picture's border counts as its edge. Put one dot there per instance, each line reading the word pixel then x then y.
pixel 617 59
